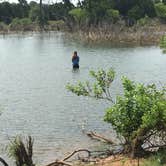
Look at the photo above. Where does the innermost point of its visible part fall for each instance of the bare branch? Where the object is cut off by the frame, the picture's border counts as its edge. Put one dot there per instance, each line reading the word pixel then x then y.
pixel 99 137
pixel 3 162
pixel 76 151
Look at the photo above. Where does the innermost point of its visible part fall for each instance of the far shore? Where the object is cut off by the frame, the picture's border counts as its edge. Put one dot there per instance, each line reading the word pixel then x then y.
pixel 149 34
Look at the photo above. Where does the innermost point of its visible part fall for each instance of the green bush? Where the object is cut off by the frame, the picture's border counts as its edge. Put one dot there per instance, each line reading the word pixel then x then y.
pixel 18 24
pixel 163 44
pixel 161 10
pixel 138 115
pixel 22 151
pixel 99 89
pixel 164 2
pixel 143 21
pixel 158 159
pixel 135 13
pixel 34 14
pixel 112 15
pixel 3 26
pixel 141 111
pixel 79 15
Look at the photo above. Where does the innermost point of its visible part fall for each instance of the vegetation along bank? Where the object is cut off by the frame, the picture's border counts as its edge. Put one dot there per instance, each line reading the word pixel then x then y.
pixel 138 21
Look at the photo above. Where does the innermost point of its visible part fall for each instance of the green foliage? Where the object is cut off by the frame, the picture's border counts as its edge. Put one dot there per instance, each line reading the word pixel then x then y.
pixel 141 110
pixel 161 10
pixel 136 13
pixel 22 152
pixel 99 89
pixel 163 43
pixel 96 10
pixel 18 24
pixel 79 14
pixel 3 26
pixel 146 7
pixel 138 115
pixel 38 16
pixel 88 12
pixel 34 13
pixel 113 15
pixel 158 159
pixel 143 21
pixel 164 2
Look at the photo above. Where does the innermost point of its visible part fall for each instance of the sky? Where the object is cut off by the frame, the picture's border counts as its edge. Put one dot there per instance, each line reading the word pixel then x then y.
pixel 45 1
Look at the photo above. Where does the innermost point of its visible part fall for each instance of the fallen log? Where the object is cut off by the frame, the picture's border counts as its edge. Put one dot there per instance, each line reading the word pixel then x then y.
pixel 63 162
pixel 77 151
pixel 99 137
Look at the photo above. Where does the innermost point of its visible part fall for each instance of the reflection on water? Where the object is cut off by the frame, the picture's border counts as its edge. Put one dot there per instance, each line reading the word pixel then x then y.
pixel 34 69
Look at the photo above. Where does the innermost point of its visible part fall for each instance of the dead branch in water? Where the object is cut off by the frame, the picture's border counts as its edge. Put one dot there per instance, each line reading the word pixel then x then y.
pixel 62 162
pixel 77 151
pixel 99 137
pixel 88 158
pixel 3 162
pixel 84 159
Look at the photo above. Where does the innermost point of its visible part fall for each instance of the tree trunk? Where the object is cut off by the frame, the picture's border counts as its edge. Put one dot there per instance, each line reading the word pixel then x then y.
pixel 41 16
pixel 137 150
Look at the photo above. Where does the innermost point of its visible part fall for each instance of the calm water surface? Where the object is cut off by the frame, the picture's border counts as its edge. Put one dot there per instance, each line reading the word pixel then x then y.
pixel 34 70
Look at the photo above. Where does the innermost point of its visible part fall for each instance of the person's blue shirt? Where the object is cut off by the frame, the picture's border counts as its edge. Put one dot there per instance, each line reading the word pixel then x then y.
pixel 75 60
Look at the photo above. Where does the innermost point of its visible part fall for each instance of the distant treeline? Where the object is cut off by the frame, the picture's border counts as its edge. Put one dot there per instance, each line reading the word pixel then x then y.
pixel 85 13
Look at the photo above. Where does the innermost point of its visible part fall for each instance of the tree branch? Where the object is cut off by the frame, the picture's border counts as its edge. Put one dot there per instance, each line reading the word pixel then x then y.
pixel 99 137
pixel 3 162
pixel 76 151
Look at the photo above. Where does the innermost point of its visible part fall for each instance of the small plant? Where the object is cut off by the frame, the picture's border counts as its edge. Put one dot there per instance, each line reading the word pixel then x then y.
pixel 22 152
pixel 113 15
pixel 163 43
pixel 143 21
pixel 3 26
pixel 158 159
pixel 161 10
pixel 79 15
pixel 17 23
pixel 100 89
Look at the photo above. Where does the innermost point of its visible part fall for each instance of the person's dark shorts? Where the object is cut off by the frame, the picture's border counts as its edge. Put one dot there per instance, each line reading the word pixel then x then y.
pixel 76 66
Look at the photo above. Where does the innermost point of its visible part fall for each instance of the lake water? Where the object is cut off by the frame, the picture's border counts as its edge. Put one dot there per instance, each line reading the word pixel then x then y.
pixel 34 69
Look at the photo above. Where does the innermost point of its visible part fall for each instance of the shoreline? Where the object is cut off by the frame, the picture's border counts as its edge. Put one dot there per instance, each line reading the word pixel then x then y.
pixel 149 34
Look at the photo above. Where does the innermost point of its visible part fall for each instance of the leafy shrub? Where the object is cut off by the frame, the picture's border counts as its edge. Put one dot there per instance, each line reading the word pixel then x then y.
pixel 158 159
pixel 112 15
pixel 3 26
pixel 143 21
pixel 139 115
pixel 136 13
pixel 79 14
pixel 20 24
pixel 99 89
pixel 161 10
pixel 163 44
pixel 34 13
pixel 22 152
pixel 164 2
pixel 141 111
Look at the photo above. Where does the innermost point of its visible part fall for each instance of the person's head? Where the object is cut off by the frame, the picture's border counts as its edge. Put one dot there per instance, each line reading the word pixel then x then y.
pixel 75 53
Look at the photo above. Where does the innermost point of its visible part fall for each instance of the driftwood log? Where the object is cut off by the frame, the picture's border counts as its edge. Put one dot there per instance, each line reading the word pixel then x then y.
pixel 99 137
pixel 63 162
pixel 89 153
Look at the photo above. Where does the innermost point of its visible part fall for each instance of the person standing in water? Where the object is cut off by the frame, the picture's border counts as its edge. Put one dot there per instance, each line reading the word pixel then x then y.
pixel 75 60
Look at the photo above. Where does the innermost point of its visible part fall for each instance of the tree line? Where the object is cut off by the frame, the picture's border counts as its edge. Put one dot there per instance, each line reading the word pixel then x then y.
pixel 85 13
